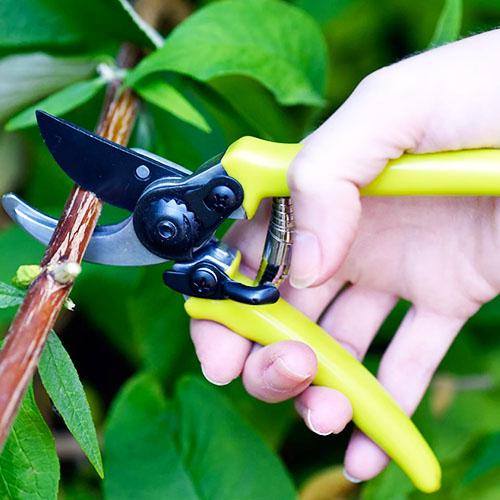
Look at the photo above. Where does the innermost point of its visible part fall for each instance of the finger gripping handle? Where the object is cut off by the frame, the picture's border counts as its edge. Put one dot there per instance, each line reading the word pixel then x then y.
pixel 374 411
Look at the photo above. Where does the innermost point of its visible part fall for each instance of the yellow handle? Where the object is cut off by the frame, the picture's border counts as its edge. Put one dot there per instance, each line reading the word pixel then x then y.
pixel 261 168
pixel 374 411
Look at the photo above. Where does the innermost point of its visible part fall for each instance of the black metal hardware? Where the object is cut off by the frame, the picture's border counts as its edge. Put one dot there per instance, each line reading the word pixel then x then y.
pixel 204 279
pixel 174 217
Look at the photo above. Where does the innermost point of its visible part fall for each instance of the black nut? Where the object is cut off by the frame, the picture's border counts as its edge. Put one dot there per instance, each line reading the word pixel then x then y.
pixel 204 282
pixel 221 199
pixel 167 229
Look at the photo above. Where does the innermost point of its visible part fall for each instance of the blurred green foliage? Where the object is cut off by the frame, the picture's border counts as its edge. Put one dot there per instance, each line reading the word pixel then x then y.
pixel 167 436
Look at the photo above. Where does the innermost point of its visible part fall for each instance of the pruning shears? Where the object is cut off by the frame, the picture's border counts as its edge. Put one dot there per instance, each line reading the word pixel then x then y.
pixel 174 215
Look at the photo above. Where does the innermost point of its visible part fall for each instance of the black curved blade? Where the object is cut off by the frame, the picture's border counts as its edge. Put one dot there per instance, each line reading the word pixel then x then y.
pixel 117 175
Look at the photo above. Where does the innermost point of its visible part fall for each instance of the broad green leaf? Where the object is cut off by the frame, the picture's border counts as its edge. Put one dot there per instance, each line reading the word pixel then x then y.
pixel 50 23
pixel 143 33
pixel 61 381
pixel 140 456
pixel 272 422
pixel 169 135
pixel 29 468
pixel 391 484
pixel 159 325
pixel 25 78
pixel 223 455
pixel 323 11
pixel 471 415
pixel 10 296
pixel 170 98
pixel 268 40
pixel 259 108
pixel 486 487
pixel 194 448
pixel 487 461
pixel 449 23
pixel 102 294
pixel 58 103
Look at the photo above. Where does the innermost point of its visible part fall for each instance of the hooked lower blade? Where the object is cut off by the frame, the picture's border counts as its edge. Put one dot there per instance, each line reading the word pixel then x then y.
pixel 115 245
pixel 117 175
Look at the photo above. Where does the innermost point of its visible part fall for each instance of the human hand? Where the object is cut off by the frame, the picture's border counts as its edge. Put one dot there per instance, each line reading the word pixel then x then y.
pixel 438 253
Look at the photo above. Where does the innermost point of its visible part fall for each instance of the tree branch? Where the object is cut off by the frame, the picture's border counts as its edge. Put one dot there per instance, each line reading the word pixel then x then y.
pixel 28 332
pixel 36 316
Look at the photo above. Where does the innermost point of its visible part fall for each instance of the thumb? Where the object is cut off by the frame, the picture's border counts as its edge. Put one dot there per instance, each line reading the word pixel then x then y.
pixel 344 154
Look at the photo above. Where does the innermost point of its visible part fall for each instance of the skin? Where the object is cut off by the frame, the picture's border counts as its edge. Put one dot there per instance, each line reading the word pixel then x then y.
pixel 441 254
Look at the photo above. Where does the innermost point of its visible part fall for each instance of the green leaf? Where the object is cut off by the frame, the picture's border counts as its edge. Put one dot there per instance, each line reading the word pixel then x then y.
pixel 323 11
pixel 50 23
pixel 471 414
pixel 259 108
pixel 271 421
pixel 143 33
pixel 29 468
pixel 488 460
pixel 449 23
pixel 61 381
pixel 159 325
pixel 59 103
pixel 10 296
pixel 224 456
pixel 114 285
pixel 28 77
pixel 169 97
pixel 268 40
pixel 391 484
pixel 196 447
pixel 140 456
pixel 168 136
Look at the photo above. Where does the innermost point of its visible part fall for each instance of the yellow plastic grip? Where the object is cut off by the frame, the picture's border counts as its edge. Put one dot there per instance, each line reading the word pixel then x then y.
pixel 261 168
pixel 374 411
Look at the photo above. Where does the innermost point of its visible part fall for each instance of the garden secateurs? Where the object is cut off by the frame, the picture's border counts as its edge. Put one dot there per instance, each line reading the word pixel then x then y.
pixel 175 213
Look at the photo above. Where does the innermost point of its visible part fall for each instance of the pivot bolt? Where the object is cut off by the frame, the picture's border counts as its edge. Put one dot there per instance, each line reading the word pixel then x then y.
pixel 221 199
pixel 167 229
pixel 204 282
pixel 142 172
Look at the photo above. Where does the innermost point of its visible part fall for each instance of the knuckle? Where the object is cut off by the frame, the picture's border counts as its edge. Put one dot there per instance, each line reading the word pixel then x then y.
pixel 380 79
pixel 302 174
pixel 313 174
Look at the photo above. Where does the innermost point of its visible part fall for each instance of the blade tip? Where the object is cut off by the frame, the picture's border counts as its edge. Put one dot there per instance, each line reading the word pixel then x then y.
pixel 10 202
pixel 41 115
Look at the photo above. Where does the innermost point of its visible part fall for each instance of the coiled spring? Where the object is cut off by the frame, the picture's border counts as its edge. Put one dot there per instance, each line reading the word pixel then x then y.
pixel 276 256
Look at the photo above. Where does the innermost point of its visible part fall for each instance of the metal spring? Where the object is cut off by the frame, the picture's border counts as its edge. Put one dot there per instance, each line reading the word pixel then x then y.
pixel 275 260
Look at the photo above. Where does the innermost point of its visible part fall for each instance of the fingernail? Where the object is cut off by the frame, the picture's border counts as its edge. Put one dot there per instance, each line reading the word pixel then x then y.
pixel 211 380
pixel 280 375
pixel 310 424
pixel 306 257
pixel 350 478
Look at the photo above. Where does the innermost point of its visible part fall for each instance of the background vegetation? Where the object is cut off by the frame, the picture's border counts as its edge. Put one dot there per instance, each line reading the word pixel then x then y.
pixel 166 432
